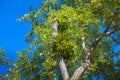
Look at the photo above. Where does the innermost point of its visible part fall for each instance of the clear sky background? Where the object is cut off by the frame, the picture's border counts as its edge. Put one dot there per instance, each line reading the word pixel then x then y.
pixel 12 32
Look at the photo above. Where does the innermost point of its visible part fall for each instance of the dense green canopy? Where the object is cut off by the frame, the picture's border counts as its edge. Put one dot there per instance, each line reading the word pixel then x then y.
pixel 88 32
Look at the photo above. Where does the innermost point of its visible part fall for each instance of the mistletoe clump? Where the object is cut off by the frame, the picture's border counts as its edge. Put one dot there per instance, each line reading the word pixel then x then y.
pixel 64 46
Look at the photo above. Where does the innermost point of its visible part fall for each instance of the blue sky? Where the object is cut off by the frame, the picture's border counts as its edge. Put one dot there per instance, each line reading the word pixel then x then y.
pixel 12 32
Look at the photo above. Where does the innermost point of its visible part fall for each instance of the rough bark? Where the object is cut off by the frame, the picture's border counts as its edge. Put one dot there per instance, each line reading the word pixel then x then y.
pixel 87 62
pixel 62 64
pixel 55 28
pixel 63 69
pixel 84 65
pixel 80 70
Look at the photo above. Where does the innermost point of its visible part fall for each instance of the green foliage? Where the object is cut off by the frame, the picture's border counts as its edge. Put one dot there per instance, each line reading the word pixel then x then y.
pixel 88 18
pixel 3 59
pixel 64 46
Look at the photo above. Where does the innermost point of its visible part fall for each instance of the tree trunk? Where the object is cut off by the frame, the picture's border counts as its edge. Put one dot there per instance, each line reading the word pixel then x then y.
pixel 63 69
pixel 62 64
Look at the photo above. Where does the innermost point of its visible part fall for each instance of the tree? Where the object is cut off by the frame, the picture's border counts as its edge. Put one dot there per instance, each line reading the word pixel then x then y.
pixel 4 61
pixel 82 47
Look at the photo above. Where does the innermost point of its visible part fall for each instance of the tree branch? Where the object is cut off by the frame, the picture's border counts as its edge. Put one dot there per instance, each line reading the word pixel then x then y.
pixel 110 23
pixel 83 45
pixel 105 33
pixel 87 60
pixel 72 2
pixel 79 71
pixel 102 70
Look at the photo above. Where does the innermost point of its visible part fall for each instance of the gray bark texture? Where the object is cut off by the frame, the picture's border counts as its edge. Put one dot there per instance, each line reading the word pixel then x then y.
pixel 63 69
pixel 62 64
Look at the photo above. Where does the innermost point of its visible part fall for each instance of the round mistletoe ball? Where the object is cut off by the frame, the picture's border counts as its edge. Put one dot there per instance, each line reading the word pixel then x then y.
pixel 64 46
